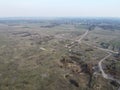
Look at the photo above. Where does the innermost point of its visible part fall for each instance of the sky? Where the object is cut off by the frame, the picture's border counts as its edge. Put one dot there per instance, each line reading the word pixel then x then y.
pixel 59 8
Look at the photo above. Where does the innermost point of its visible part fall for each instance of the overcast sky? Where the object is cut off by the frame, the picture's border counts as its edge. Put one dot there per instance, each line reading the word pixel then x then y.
pixel 59 8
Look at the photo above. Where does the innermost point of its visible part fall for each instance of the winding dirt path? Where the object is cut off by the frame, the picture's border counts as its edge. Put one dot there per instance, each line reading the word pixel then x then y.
pixel 82 37
pixel 106 76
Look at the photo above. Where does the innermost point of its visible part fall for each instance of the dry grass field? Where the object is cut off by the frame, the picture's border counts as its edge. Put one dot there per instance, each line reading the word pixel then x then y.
pixel 46 56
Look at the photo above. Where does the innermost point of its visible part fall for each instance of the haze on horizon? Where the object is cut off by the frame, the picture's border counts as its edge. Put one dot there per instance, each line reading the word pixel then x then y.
pixel 59 8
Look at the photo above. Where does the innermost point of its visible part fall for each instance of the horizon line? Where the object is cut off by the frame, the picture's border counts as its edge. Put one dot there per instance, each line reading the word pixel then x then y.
pixel 15 17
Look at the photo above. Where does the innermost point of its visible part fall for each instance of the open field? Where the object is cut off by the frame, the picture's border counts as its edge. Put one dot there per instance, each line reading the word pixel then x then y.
pixel 46 55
